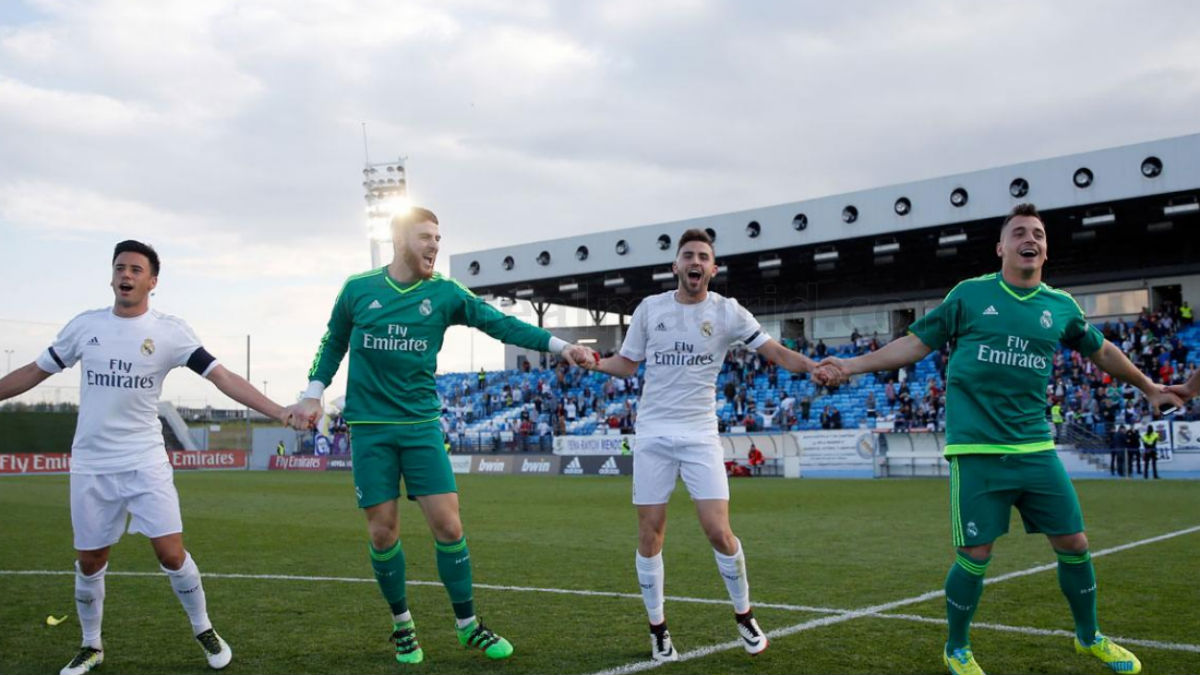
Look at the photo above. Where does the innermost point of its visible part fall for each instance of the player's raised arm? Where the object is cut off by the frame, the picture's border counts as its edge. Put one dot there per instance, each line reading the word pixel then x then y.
pixel 330 352
pixel 1112 361
pixel 790 360
pixel 617 366
pixel 895 354
pixel 237 388
pixel 21 380
pixel 1189 389
pixel 477 313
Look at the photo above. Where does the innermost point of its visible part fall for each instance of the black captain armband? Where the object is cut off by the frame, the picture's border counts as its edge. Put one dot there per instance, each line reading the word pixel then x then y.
pixel 200 360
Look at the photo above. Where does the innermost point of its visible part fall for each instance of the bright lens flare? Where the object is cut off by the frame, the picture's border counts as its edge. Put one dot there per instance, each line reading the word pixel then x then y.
pixel 380 214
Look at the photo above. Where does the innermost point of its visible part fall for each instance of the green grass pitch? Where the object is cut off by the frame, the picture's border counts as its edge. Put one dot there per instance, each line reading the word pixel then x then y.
pixel 815 549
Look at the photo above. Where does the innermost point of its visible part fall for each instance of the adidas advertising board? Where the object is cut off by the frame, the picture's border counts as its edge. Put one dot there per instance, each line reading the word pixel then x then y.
pixel 590 465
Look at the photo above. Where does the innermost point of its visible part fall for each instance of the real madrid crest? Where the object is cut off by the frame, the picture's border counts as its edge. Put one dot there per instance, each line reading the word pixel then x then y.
pixel 426 307
pixel 1047 319
pixel 147 347
pixel 706 328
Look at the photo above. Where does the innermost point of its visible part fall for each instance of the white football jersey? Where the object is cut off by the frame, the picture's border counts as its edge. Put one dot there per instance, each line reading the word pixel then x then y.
pixel 683 347
pixel 122 366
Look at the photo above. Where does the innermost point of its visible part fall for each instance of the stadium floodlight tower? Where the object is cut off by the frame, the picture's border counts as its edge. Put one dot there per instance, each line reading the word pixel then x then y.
pixel 386 186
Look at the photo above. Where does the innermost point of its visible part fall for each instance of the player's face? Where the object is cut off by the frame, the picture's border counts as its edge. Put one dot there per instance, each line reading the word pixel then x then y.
pixel 695 266
pixel 132 280
pixel 419 248
pixel 1022 246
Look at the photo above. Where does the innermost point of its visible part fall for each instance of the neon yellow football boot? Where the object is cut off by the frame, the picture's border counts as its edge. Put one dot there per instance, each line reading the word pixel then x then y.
pixel 1113 655
pixel 961 662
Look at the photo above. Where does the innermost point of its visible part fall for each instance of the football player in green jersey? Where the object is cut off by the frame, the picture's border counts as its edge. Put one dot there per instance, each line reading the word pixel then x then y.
pixel 392 320
pixel 1007 327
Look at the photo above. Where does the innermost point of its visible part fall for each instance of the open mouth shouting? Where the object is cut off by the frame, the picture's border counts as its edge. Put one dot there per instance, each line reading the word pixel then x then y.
pixel 1029 251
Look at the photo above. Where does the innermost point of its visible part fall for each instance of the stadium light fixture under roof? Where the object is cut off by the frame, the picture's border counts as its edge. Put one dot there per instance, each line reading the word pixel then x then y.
pixel 568 287
pixel 1094 218
pixel 524 292
pixel 886 246
pixel 825 254
pixel 952 237
pixel 610 282
pixel 1192 206
pixel 663 276
pixel 768 263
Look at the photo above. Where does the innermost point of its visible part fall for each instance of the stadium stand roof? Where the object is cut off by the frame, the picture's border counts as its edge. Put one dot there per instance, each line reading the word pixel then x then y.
pixel 1112 214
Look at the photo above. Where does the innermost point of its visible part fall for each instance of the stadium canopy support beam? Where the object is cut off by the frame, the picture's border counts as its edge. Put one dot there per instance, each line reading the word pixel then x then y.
pixel 597 315
pixel 541 308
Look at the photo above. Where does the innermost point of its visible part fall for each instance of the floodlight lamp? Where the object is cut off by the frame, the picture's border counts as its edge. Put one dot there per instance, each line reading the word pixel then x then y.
pixel 753 229
pixel 543 258
pixel 902 206
pixel 800 222
pixel 1018 188
pixel 622 247
pixel 473 268
pixel 849 214
pixel 581 253
pixel 1083 177
pixel 959 197
pixel 664 242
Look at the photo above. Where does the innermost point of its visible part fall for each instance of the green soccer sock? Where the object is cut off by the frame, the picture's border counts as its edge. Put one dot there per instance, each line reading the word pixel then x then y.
pixel 389 572
pixel 964 587
pixel 1077 579
pixel 454 569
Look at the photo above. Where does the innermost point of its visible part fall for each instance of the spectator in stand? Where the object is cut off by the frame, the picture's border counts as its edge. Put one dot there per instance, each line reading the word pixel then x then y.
pixel 1185 314
pixel 1133 453
pixel 827 417
pixel 821 349
pixel 872 413
pixel 805 408
pixel 835 419
pixel 889 392
pixel 482 379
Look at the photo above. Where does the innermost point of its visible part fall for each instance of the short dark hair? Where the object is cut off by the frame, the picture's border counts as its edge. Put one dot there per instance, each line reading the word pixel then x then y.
pixel 1022 209
pixel 133 246
pixel 695 234
pixel 413 216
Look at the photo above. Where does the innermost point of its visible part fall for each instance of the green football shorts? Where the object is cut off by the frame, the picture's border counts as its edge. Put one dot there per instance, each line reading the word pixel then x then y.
pixel 383 453
pixel 984 488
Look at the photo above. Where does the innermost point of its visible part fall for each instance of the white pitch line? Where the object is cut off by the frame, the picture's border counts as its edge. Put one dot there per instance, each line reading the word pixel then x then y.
pixel 414 582
pixel 874 609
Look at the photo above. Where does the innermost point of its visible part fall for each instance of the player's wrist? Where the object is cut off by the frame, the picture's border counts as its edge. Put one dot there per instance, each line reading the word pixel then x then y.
pixel 315 390
pixel 557 344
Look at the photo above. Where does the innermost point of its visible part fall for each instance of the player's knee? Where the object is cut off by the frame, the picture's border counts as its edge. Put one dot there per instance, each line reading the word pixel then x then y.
pixel 1070 543
pixel 722 540
pixel 91 562
pixel 172 560
pixel 980 552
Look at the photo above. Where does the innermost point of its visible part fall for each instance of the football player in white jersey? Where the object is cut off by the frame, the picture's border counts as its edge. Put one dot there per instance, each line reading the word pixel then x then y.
pixel 683 336
pixel 119 464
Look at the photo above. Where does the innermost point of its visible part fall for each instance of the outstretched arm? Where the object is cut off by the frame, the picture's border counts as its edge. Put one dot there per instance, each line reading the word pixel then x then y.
pixel 1189 389
pixel 237 388
pixel 893 355
pixel 788 359
pixel 21 380
pixel 617 366
pixel 1112 361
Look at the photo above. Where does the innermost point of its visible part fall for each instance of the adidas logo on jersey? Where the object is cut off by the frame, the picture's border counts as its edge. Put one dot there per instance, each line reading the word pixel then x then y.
pixel 374 305
pixel 661 326
pixel 991 311
pixel 609 468
pixel 574 467
pixel 94 342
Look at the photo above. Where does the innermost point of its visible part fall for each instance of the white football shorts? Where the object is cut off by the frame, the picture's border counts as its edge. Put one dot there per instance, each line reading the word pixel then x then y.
pixel 659 460
pixel 100 504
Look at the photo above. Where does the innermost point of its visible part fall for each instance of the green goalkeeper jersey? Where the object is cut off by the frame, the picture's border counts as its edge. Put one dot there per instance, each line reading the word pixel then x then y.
pixel 996 379
pixel 394 334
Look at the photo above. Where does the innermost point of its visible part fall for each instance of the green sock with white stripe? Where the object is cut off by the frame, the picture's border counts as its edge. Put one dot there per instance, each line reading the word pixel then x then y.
pixel 964 587
pixel 1077 579
pixel 454 569
pixel 389 573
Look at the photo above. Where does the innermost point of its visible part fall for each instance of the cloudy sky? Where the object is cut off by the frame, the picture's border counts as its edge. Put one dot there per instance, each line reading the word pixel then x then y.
pixel 228 134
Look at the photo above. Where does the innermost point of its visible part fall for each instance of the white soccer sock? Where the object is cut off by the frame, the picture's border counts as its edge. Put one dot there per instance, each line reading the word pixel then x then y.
pixel 402 618
pixel 733 572
pixel 89 604
pixel 188 588
pixel 652 578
